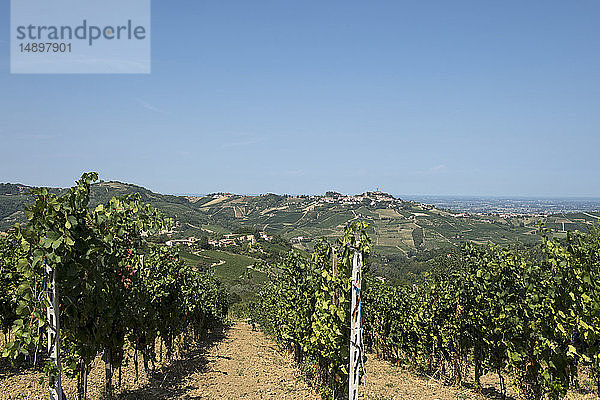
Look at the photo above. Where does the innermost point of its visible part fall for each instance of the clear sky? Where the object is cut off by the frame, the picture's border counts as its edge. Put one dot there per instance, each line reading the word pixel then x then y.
pixel 423 97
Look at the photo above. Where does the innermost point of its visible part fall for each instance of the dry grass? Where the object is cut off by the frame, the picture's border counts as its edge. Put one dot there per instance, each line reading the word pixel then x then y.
pixel 239 363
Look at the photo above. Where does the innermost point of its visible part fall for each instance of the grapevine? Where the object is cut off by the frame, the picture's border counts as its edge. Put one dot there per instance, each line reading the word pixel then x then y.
pixel 115 289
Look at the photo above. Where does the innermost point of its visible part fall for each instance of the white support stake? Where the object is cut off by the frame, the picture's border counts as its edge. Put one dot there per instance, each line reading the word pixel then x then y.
pixel 53 318
pixel 356 345
pixel 334 271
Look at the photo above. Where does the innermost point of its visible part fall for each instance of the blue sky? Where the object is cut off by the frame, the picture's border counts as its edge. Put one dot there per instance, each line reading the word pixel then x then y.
pixel 437 97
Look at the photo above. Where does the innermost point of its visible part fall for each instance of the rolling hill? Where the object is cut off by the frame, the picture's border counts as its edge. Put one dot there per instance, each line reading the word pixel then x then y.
pixel 397 226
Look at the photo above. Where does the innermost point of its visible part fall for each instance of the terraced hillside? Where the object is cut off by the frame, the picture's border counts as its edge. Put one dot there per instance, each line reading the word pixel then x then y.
pixel 397 226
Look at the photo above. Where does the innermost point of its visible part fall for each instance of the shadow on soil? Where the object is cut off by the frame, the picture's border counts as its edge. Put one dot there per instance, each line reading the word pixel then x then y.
pixel 166 383
pixel 489 392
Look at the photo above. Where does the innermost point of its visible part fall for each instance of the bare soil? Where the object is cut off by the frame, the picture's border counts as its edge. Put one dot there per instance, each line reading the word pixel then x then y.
pixel 239 363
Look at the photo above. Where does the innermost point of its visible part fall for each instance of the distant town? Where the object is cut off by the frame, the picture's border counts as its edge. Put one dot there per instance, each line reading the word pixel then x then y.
pixel 510 206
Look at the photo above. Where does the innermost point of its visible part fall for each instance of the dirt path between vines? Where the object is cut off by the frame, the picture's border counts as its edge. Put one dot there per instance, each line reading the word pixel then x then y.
pixel 239 363
pixel 246 365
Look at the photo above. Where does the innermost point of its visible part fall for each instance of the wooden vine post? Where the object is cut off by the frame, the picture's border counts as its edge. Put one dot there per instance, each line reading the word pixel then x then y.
pixel 53 319
pixel 356 345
